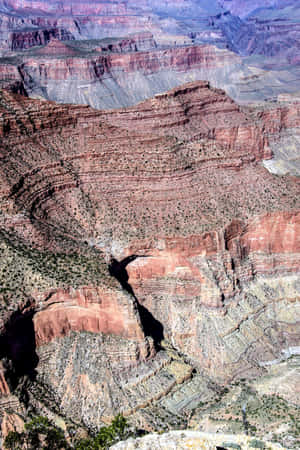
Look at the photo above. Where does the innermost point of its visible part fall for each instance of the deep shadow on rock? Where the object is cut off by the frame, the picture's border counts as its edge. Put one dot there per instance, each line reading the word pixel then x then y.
pixel 18 348
pixel 151 326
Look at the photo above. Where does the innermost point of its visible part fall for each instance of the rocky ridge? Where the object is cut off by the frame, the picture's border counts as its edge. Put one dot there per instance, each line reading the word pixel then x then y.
pixel 105 78
pixel 217 23
pixel 140 245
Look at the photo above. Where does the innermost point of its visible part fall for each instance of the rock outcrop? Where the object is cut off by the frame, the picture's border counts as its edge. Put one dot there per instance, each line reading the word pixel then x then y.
pixel 210 280
pixel 133 227
pixel 133 43
pixel 189 439
pixel 104 78
pixel 167 59
pixel 25 39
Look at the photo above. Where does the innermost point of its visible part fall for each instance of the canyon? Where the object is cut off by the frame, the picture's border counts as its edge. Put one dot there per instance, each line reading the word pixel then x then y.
pixel 118 53
pixel 150 217
pixel 150 270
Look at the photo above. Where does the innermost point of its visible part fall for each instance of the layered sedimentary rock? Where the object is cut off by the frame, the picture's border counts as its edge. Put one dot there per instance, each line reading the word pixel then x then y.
pixel 173 25
pixel 106 79
pixel 204 276
pixel 282 125
pixel 91 310
pixel 134 42
pixel 226 24
pixel 132 226
pixel 19 32
pixel 26 39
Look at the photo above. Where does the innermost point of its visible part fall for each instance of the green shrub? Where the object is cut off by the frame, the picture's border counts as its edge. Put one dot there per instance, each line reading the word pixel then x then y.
pixel 39 433
pixel 14 440
pixel 117 431
pixel 255 443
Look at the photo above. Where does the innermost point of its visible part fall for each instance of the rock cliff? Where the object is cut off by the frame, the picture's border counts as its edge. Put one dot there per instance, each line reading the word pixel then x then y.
pixel 104 75
pixel 240 27
pixel 149 239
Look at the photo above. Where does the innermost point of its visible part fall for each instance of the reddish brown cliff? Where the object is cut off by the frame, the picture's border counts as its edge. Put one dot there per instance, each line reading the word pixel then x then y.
pixel 156 221
pixel 96 310
pixel 21 40
pixel 133 43
pixel 182 59
pixel 82 73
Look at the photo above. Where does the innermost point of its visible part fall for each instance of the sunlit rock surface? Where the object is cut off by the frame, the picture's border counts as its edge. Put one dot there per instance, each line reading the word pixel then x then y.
pixel 188 439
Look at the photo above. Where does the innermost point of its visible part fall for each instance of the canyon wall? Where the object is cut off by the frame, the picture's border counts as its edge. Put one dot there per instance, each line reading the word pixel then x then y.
pixel 155 252
pixel 88 75
pixel 97 75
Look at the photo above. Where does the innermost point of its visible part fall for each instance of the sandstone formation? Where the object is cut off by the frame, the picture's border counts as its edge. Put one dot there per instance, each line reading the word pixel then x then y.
pixel 105 78
pixel 158 258
pixel 106 82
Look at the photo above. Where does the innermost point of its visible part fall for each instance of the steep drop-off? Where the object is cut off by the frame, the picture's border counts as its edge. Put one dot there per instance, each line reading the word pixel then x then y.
pixel 265 38
pixel 149 239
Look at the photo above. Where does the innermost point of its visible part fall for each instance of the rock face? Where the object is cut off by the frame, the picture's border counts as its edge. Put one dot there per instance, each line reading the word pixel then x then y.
pixel 154 28
pixel 19 32
pixel 27 39
pixel 92 310
pixel 204 276
pixel 126 228
pixel 105 76
pixel 244 7
pixel 188 439
pixel 133 43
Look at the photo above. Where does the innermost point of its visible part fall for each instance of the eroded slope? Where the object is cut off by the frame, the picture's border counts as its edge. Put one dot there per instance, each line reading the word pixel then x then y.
pixel 121 229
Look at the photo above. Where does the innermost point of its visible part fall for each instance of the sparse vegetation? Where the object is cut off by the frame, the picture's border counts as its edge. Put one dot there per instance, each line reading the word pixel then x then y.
pixel 40 433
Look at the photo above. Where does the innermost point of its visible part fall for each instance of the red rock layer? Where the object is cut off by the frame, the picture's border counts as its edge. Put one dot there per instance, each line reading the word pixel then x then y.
pixel 268 245
pixel 55 47
pixel 151 158
pixel 89 69
pixel 277 118
pixel 178 182
pixel 196 112
pixel 96 310
pixel 216 292
pixel 21 40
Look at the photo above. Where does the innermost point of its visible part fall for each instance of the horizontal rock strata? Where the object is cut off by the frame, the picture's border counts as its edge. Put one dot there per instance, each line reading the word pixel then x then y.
pixel 128 227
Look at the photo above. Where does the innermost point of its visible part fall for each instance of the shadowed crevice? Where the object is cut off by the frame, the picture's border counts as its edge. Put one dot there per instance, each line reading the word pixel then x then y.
pixel 118 270
pixel 18 348
pixel 151 326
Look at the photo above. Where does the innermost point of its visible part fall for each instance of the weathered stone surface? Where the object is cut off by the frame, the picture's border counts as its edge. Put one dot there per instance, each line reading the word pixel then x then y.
pixel 197 287
pixel 95 310
pixel 4 388
pixel 170 198
pixel 82 74
pixel 25 26
pixel 188 439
